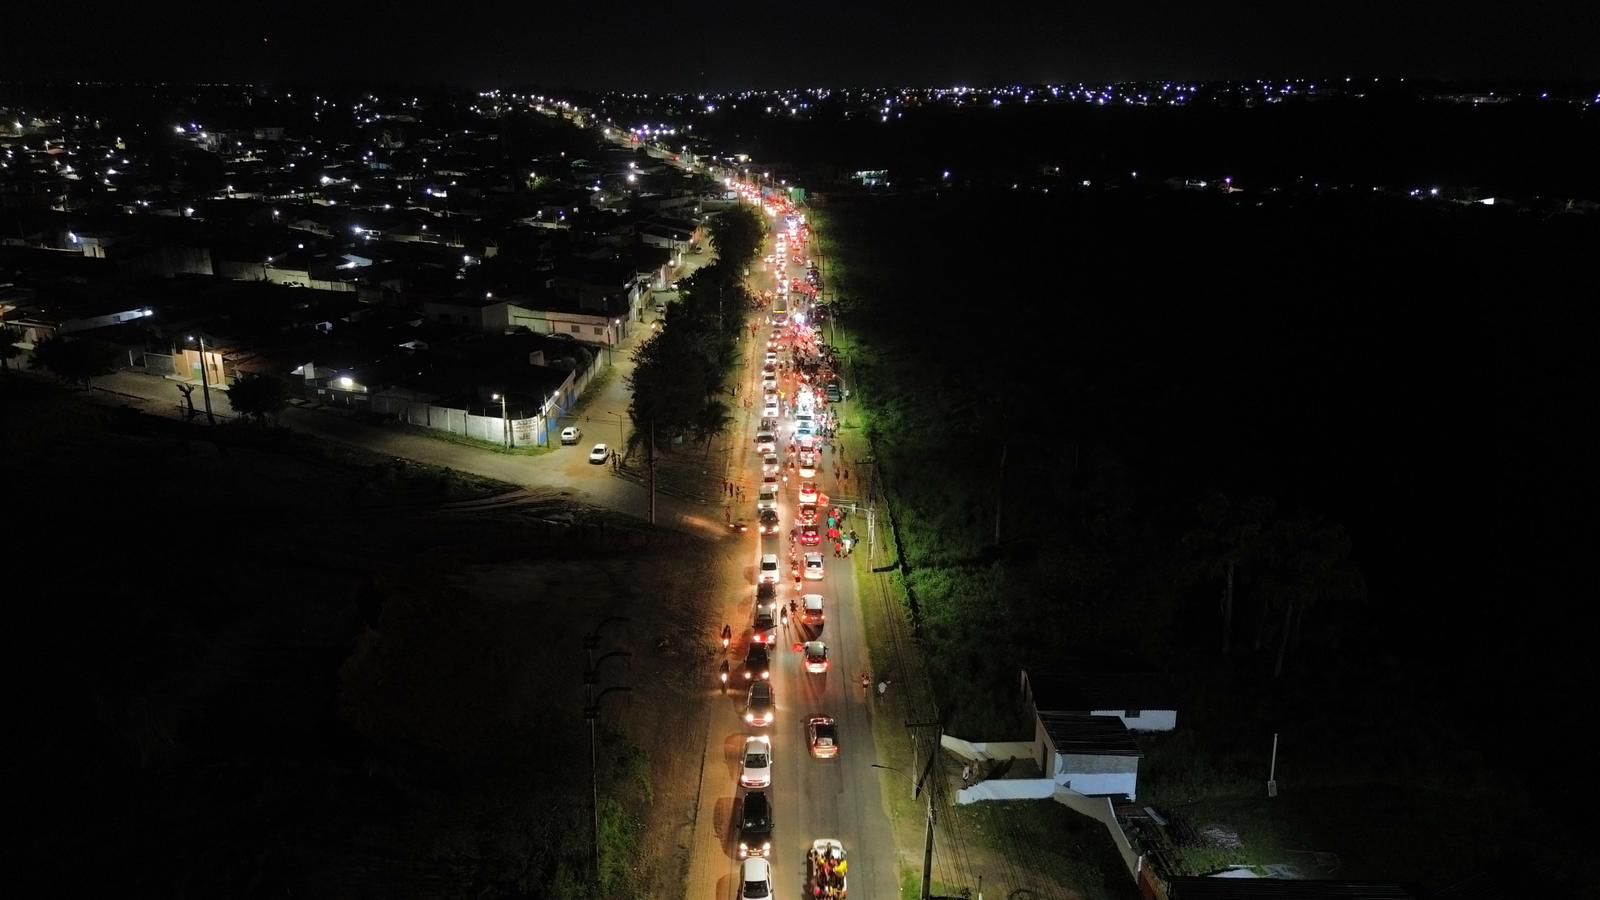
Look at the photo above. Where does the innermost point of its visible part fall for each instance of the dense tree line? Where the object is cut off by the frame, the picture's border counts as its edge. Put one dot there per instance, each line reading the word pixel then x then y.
pixel 1292 451
pixel 75 360
pixel 680 375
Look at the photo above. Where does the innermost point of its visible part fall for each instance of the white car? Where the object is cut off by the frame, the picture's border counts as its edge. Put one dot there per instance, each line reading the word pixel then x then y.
pixel 811 612
pixel 769 568
pixel 808 492
pixel 767 499
pixel 770 465
pixel 599 454
pixel 766 442
pixel 755 879
pixel 570 435
pixel 813 566
pixel 769 382
pixel 772 358
pixel 808 465
pixel 816 657
pixel 756 770
pixel 770 411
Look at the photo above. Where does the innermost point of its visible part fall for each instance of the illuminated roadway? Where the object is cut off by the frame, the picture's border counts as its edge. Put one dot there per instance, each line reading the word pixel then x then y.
pixel 811 798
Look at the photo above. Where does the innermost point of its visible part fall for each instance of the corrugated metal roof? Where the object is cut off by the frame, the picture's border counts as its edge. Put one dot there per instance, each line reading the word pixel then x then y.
pixel 1089 735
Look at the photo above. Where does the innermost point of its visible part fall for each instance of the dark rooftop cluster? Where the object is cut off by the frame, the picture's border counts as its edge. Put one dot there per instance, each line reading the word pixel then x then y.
pixel 360 242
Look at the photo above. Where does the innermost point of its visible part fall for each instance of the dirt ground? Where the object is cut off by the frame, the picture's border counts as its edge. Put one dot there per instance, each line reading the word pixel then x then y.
pixel 281 667
pixel 663 593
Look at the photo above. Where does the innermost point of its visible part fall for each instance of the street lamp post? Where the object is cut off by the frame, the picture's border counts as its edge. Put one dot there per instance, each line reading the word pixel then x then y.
pixel 505 423
pixel 622 437
pixel 205 379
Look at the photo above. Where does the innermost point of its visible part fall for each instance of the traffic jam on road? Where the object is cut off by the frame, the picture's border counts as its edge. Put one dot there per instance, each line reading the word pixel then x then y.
pixel 799 532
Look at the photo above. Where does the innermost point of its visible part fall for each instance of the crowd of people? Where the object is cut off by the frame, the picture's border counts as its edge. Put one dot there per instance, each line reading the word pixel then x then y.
pixel 828 870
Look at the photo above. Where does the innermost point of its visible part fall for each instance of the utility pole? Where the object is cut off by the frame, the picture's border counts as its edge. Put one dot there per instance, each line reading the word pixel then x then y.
pixel 918 788
pixel 205 379
pixel 999 491
pixel 591 714
pixel 1272 773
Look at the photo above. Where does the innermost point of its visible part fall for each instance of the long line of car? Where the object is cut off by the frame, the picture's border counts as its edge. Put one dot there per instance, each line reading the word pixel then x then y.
pixel 793 409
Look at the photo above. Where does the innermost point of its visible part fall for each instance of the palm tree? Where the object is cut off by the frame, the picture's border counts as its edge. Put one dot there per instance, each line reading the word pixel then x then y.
pixel 713 418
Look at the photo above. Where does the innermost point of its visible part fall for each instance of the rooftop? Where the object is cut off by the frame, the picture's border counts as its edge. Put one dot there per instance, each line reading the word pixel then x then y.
pixel 1089 735
pixel 1281 889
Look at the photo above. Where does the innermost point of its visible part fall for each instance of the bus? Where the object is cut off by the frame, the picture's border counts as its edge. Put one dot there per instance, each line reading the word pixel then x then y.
pixel 780 310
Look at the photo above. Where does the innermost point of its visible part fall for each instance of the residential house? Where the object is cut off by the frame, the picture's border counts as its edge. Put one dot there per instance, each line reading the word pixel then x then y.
pixel 1092 755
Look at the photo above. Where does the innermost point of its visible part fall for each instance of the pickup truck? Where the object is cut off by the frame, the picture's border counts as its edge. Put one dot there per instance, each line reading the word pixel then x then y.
pixel 826 869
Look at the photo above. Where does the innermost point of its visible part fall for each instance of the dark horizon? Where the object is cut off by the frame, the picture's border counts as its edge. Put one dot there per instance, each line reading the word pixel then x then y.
pixel 660 49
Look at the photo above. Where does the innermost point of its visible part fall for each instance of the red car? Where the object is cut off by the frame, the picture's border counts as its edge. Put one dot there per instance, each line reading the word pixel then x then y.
pixel 810 535
pixel 808 514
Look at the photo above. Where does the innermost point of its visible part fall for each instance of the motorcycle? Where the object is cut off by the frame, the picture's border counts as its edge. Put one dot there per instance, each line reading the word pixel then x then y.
pixel 724 676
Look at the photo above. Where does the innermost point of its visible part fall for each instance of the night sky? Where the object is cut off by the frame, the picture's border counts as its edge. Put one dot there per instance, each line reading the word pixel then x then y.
pixel 660 46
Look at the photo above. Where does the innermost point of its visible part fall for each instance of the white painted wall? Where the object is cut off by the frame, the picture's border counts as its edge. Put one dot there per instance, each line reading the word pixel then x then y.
pixel 1098 774
pixel 1146 720
pixel 996 750
pixel 1101 810
pixel 1100 782
pixel 541 321
pixel 1008 789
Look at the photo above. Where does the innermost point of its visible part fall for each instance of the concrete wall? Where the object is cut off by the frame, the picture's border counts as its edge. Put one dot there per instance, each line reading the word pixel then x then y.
pixel 1008 789
pixel 1146 720
pixel 159 364
pixel 997 750
pixel 531 431
pixel 1101 810
pixel 1098 774
pixel 89 323
pixel 590 329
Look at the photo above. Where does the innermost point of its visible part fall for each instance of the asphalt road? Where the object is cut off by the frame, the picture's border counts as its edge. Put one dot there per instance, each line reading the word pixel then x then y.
pixel 812 798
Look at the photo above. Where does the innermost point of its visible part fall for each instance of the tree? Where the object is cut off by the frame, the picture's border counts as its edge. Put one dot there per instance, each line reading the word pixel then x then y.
pixel 1306 561
pixel 76 361
pixel 1228 537
pixel 713 418
pixel 260 397
pixel 10 336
